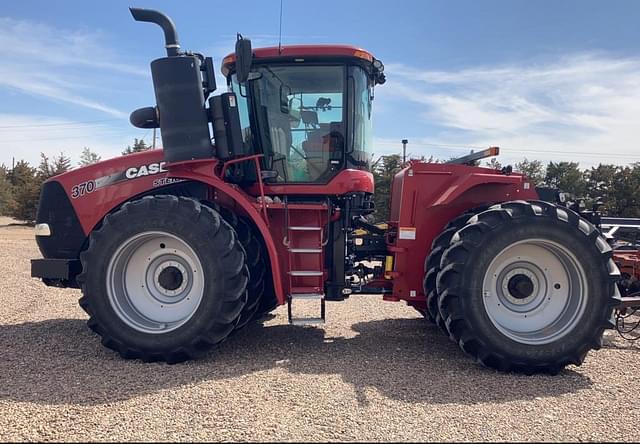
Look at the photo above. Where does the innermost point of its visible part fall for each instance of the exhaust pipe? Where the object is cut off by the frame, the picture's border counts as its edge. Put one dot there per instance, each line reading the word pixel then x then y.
pixel 167 25
pixel 180 109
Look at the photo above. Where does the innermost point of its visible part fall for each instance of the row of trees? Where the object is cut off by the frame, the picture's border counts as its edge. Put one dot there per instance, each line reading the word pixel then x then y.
pixel 618 187
pixel 20 185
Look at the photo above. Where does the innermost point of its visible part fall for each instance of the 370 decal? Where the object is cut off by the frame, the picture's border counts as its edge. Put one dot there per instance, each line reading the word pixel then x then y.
pixel 83 188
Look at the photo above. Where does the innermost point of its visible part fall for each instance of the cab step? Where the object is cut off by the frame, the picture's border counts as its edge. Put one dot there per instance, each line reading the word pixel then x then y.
pixel 305 273
pixel 305 250
pixel 306 320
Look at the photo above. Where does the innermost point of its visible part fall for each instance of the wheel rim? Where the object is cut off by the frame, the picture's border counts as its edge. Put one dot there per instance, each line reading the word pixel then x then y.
pixel 535 291
pixel 155 282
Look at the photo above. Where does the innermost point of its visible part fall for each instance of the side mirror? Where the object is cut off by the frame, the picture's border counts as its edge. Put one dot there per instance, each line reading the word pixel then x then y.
pixel 244 56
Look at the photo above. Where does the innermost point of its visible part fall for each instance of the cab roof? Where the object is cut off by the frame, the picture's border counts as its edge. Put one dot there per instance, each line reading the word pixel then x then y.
pixel 300 51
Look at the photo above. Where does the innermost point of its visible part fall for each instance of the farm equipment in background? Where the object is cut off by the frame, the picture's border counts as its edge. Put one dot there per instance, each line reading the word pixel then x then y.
pixel 175 249
pixel 624 236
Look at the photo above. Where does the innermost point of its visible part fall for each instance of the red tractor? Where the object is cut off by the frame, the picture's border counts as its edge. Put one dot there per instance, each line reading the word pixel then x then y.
pixel 174 249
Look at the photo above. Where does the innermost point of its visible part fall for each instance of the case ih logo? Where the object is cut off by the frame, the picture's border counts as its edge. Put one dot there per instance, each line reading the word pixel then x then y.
pixel 90 186
pixel 145 170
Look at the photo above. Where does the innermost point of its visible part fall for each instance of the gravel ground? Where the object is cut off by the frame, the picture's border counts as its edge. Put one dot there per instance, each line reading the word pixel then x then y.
pixel 374 372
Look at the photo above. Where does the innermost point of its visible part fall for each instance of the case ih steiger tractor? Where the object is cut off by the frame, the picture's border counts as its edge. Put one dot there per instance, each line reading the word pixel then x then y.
pixel 174 249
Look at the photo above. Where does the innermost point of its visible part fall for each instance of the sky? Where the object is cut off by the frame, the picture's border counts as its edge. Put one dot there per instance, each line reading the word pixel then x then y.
pixel 548 80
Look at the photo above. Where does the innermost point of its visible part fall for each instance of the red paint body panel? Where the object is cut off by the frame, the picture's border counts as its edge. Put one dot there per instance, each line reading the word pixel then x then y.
pixel 425 197
pixel 346 181
pixel 92 207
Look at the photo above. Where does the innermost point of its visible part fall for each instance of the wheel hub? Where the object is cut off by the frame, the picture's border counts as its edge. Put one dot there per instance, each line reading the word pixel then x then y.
pixel 170 277
pixel 520 285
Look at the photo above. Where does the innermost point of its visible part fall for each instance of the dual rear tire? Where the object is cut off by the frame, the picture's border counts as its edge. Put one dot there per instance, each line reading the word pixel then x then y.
pixel 522 286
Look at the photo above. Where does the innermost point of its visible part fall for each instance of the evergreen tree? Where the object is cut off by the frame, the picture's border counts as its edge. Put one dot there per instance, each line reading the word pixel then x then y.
pixel 138 145
pixel 44 170
pixel 6 192
pixel 25 183
pixel 61 164
pixel 88 157
pixel 567 177
pixel 533 169
pixel 383 171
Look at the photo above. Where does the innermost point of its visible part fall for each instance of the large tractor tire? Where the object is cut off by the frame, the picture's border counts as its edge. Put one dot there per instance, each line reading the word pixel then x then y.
pixel 432 266
pixel 256 263
pixel 269 302
pixel 527 287
pixel 164 279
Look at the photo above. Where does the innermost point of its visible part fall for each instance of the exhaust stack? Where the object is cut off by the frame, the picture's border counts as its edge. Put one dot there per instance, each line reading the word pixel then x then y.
pixel 180 96
pixel 167 25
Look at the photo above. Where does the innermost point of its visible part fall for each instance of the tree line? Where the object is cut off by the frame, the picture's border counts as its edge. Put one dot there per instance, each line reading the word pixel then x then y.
pixel 616 186
pixel 20 184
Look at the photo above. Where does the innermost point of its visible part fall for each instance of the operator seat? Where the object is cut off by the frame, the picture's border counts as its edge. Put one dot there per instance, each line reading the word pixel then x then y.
pixel 322 145
pixel 280 132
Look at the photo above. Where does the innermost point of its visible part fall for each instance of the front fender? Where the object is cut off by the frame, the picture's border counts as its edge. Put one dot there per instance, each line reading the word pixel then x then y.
pixel 203 171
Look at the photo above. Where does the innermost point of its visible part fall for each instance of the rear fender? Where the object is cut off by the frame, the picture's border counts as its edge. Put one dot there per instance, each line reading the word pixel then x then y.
pixel 493 187
pixel 427 197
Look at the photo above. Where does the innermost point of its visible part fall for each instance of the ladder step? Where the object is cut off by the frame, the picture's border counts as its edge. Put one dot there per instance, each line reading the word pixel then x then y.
pixel 306 295
pixel 306 273
pixel 305 250
pixel 306 321
pixel 312 289
pixel 305 228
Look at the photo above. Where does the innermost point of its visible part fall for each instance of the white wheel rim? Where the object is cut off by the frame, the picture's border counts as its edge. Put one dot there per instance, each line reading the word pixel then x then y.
pixel 535 291
pixel 155 282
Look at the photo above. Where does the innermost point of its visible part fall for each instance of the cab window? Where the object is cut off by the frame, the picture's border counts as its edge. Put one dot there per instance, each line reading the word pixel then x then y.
pixel 301 115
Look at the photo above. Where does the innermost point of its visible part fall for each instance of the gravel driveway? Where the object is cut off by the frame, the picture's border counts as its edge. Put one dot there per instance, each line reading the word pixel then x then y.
pixel 374 372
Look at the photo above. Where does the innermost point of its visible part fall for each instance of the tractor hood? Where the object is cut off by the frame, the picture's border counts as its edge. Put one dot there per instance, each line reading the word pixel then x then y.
pixel 98 188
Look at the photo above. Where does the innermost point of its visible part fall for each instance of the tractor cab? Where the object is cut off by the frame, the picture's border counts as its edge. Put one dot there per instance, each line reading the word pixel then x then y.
pixel 307 109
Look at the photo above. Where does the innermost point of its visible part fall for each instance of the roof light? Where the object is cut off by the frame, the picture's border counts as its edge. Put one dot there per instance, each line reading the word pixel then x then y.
pixel 363 55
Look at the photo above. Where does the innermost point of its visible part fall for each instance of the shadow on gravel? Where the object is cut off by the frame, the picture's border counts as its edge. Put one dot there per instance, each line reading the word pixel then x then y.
pixel 61 362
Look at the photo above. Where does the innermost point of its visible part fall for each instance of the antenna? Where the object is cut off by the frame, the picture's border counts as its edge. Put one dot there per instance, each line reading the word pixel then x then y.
pixel 280 33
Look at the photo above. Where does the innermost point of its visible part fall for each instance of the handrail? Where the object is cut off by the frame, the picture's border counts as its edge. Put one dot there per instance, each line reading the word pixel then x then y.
pixel 256 160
